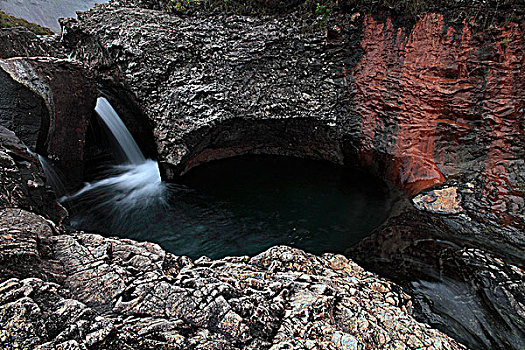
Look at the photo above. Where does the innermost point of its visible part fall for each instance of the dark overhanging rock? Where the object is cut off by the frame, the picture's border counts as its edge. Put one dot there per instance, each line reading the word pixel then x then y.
pixel 203 95
pixel 62 96
pixel 297 137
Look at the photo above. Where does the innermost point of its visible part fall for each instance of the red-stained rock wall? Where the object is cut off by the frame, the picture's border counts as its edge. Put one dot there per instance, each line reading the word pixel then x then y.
pixel 441 101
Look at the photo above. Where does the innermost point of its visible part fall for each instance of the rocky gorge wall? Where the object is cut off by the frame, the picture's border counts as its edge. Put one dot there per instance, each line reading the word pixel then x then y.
pixel 435 108
pixel 444 101
pixel 434 104
pixel 426 104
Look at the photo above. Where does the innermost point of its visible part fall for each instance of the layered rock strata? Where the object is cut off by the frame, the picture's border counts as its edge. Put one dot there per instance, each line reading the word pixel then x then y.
pixel 84 291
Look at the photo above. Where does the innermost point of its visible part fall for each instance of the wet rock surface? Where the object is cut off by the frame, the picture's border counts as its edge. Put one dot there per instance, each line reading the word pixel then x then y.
pixel 120 294
pixel 471 293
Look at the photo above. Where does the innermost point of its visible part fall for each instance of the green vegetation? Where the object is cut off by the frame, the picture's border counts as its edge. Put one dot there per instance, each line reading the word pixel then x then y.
pixel 182 5
pixel 478 13
pixel 7 21
pixel 240 7
pixel 322 10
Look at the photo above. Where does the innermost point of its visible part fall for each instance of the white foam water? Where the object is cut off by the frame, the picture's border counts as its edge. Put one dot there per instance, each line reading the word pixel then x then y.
pixel 124 139
pixel 126 188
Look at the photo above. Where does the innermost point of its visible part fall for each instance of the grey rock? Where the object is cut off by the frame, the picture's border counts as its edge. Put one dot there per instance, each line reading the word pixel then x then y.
pixel 21 42
pixel 22 183
pixel 120 294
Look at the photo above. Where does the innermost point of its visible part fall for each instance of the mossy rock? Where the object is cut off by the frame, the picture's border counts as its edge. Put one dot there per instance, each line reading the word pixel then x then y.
pixel 478 13
pixel 7 21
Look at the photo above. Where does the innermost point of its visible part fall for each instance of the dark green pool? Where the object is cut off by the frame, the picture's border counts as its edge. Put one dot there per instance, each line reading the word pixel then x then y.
pixel 245 204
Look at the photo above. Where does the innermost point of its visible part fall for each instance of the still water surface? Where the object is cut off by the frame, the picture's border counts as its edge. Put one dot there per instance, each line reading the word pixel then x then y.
pixel 237 206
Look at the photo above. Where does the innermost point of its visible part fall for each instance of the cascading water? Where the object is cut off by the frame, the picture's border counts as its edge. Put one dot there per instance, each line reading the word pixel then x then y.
pixel 122 135
pixel 236 206
pixel 126 189
pixel 53 176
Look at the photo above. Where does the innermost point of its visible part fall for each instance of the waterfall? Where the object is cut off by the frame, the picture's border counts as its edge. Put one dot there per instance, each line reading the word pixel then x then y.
pixel 53 176
pixel 125 190
pixel 108 115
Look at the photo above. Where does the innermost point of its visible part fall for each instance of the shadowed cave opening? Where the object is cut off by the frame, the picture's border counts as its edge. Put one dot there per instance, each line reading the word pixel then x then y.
pixel 237 205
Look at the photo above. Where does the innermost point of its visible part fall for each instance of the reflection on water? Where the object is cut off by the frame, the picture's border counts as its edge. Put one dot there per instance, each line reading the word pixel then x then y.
pixel 236 206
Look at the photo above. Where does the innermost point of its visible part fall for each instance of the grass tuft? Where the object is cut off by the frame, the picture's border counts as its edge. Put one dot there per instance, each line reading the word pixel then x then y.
pixel 7 21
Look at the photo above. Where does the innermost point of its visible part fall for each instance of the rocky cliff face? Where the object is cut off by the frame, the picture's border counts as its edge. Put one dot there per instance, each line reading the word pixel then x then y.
pixel 443 101
pixel 48 102
pixel 436 109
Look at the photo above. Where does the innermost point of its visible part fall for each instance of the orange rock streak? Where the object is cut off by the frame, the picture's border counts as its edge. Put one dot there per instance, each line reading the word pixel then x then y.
pixel 425 95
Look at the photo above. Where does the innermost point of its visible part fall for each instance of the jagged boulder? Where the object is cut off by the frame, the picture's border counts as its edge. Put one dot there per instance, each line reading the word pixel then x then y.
pixel 48 103
pixel 278 299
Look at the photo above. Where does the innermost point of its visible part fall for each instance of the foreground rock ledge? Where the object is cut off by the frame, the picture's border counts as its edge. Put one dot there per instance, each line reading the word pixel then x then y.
pixel 94 292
